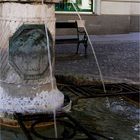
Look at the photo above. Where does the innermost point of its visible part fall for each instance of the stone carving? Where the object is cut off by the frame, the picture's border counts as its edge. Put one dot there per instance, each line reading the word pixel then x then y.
pixel 28 52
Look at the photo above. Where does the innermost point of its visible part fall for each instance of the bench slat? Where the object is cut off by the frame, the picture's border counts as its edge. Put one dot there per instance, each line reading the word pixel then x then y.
pixel 64 41
pixel 66 25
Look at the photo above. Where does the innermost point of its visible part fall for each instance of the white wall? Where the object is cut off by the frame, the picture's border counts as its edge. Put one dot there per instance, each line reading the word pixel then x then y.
pixel 118 7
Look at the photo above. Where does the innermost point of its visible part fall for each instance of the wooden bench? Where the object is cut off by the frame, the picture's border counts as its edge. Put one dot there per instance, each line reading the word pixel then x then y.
pixel 80 38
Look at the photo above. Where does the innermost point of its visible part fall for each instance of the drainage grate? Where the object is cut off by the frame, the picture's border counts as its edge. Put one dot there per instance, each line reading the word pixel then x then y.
pixel 78 92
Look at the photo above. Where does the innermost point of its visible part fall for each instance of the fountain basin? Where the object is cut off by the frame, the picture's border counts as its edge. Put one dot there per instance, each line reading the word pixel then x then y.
pixel 95 116
pixel 7 118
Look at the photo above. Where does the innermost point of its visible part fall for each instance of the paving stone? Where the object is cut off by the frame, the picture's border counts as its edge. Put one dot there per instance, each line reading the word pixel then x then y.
pixel 118 58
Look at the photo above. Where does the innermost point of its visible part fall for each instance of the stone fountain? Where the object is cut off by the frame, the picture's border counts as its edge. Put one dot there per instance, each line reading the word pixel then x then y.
pixel 25 75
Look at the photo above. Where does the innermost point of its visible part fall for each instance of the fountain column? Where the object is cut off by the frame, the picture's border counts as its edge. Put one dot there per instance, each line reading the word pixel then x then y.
pixel 25 83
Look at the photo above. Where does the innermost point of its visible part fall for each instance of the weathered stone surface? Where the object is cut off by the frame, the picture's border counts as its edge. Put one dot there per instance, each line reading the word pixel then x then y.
pixel 10 22
pixel 28 51
pixel 25 76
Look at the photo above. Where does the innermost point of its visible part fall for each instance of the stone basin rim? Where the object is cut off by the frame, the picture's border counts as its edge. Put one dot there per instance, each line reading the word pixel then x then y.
pixel 24 84
pixel 8 120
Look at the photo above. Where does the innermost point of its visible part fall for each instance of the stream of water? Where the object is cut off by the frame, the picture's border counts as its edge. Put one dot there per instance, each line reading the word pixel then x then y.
pixel 93 51
pixel 51 71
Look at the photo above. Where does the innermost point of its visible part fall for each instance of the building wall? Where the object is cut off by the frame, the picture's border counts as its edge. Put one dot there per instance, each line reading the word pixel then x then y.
pixel 104 24
pixel 120 7
pixel 109 17
pixel 134 23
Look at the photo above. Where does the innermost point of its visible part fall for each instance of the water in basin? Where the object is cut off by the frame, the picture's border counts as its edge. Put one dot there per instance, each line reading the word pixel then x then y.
pixel 119 122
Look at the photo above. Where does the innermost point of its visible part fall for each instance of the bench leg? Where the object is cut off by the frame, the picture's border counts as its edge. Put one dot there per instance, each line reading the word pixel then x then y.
pixel 85 45
pixel 78 44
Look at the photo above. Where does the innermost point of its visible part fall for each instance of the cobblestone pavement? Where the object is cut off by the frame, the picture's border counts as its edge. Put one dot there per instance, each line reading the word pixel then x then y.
pixel 118 57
